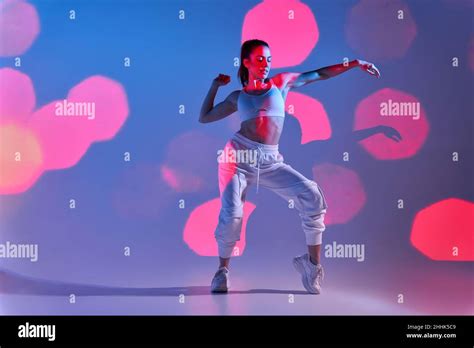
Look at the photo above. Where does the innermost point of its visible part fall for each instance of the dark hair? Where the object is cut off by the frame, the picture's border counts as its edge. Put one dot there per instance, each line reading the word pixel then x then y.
pixel 247 48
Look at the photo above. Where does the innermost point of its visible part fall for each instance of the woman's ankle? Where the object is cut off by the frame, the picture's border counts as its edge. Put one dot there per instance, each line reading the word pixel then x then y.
pixel 313 261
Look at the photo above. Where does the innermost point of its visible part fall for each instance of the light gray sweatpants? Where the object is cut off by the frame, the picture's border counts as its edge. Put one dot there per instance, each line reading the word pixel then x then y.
pixel 245 162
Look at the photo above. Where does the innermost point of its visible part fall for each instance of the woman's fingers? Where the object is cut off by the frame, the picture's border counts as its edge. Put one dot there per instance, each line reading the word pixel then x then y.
pixel 371 69
pixel 222 79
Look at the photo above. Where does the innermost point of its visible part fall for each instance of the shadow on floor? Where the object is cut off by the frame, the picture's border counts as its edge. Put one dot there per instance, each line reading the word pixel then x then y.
pixel 13 283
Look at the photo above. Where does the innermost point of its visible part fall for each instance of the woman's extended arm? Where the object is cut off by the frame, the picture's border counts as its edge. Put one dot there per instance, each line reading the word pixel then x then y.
pixel 292 80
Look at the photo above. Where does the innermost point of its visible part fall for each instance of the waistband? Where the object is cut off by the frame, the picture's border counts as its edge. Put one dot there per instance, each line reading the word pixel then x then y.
pixel 262 149
pixel 254 144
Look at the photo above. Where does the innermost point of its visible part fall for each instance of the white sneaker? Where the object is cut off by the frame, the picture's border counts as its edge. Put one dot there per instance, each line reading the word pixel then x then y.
pixel 220 282
pixel 311 275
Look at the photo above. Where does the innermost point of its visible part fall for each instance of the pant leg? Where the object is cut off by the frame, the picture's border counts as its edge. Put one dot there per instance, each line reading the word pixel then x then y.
pixel 233 187
pixel 308 198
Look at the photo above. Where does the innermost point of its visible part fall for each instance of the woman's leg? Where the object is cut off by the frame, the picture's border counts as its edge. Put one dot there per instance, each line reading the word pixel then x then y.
pixel 229 227
pixel 308 200
pixel 233 192
pixel 311 204
pixel 314 252
pixel 224 262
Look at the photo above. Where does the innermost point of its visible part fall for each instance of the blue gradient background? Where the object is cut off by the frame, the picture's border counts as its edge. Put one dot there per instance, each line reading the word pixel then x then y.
pixel 173 63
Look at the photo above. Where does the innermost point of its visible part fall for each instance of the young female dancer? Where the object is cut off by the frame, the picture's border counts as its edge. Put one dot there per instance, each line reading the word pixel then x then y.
pixel 261 107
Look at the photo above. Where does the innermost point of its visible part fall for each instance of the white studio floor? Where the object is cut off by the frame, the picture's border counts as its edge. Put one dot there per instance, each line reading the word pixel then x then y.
pixel 249 296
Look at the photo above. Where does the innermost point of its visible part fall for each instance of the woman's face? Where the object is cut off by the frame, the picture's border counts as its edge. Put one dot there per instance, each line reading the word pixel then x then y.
pixel 259 62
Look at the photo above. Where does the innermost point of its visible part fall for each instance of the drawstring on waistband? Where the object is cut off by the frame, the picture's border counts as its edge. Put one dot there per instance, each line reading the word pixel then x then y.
pixel 263 150
pixel 258 165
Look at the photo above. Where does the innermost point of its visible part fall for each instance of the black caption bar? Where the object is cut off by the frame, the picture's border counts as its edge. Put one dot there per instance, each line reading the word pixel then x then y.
pixel 289 330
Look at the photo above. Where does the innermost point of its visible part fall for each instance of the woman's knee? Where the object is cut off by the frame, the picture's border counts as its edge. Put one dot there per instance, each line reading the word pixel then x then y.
pixel 229 227
pixel 311 200
pixel 313 227
pixel 314 222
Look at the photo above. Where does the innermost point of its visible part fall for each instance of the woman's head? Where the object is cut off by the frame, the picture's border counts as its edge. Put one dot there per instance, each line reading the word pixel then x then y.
pixel 255 60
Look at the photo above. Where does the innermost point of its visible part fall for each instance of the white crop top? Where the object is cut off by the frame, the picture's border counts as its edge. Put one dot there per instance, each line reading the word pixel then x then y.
pixel 270 103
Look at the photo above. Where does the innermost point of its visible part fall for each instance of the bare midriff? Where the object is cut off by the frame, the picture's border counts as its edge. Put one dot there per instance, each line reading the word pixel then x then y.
pixel 263 129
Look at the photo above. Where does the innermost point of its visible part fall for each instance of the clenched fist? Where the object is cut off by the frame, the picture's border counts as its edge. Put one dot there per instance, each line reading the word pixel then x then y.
pixel 221 80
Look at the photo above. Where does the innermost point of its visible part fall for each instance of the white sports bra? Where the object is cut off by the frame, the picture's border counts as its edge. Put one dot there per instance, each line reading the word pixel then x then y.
pixel 270 103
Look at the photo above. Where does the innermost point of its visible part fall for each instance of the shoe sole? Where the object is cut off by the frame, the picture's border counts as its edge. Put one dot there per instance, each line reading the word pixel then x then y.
pixel 220 290
pixel 300 269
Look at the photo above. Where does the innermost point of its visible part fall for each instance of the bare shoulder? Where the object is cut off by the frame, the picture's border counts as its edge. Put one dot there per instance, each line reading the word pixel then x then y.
pixel 281 80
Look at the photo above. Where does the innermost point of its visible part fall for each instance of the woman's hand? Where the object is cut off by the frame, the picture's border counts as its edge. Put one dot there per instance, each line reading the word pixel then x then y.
pixel 221 80
pixel 369 67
